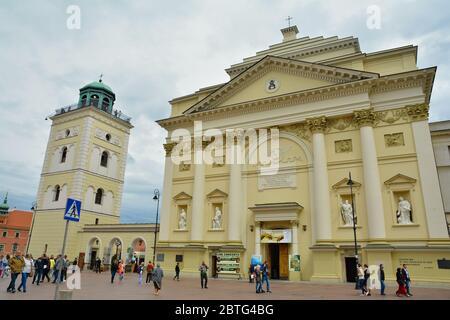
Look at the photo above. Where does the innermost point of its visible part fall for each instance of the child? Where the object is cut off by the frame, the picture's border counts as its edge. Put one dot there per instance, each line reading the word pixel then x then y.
pixel 121 271
pixel 140 271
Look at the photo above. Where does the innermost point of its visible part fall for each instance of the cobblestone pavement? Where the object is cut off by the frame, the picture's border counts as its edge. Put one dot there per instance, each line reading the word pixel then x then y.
pixel 98 286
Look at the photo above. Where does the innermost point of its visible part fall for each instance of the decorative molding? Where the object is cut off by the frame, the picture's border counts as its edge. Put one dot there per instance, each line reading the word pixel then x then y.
pixel 365 117
pixel 343 146
pixel 62 134
pixel 301 130
pixel 184 166
pixel 341 123
pixel 400 179
pixel 216 194
pixel 168 147
pixel 317 125
pixel 391 116
pixel 418 112
pixel 394 139
pixel 101 134
pixel 182 196
pixel 342 184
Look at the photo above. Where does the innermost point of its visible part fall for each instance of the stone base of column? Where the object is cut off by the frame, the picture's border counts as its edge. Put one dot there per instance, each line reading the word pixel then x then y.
pixel 326 264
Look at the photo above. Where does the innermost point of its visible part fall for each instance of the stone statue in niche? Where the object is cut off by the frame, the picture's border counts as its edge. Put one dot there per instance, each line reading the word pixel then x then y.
pixel 182 221
pixel 404 211
pixel 217 220
pixel 347 213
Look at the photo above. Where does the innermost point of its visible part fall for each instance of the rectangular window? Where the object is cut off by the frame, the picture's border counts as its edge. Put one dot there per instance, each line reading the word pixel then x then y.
pixel 96 221
pixel 179 258
pixel 2 247
pixel 17 234
pixel 160 257
pixel 14 247
pixel 5 233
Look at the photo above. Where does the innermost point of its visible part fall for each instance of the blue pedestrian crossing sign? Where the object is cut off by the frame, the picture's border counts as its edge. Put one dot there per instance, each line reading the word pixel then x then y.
pixel 73 210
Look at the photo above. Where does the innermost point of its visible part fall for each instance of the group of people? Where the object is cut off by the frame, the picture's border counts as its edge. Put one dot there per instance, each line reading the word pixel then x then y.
pixel 367 283
pixel 260 275
pixel 39 269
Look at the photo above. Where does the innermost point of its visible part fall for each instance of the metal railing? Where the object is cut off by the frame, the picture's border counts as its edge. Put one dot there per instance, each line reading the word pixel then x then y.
pixel 115 113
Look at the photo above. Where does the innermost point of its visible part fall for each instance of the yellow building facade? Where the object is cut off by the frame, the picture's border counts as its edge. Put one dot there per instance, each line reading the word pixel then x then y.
pixel 338 111
pixel 85 160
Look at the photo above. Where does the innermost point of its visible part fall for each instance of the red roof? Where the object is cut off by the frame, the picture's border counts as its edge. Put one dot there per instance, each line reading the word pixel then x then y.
pixel 19 219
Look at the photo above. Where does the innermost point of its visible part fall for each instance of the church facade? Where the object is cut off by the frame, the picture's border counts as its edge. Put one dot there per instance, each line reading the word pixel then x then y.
pixel 338 113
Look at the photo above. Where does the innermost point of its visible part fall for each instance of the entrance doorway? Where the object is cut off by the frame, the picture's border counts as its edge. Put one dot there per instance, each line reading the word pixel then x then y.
pixel 350 269
pixel 214 267
pixel 93 258
pixel 279 259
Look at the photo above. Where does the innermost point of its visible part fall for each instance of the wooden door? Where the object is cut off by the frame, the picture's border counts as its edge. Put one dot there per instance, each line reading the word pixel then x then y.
pixel 284 261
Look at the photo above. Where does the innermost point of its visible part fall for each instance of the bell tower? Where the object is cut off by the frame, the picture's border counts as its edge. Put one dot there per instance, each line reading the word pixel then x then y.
pixel 85 159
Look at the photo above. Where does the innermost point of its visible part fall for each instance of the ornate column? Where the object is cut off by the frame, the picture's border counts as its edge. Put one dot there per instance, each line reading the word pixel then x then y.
pixel 294 224
pixel 372 187
pixel 257 238
pixel 321 196
pixel 198 201
pixel 164 224
pixel 434 210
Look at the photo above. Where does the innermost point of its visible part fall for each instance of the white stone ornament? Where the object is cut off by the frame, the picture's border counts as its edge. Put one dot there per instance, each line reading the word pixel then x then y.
pixel 182 221
pixel 217 220
pixel 404 211
pixel 272 85
pixel 347 213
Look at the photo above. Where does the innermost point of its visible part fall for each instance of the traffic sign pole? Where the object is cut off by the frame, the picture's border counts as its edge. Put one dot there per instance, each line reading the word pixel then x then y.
pixel 61 261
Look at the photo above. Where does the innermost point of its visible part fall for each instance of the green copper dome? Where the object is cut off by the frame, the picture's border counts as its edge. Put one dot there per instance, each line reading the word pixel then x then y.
pixel 97 85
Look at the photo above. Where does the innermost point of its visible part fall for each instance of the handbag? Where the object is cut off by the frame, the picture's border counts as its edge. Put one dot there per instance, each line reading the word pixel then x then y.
pixel 31 274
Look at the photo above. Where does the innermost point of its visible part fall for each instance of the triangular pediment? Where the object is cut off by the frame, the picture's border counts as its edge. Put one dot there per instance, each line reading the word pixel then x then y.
pixel 344 184
pixel 275 76
pixel 182 196
pixel 216 193
pixel 399 179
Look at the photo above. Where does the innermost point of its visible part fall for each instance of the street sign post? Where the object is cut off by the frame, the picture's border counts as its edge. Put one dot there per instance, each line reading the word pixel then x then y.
pixel 72 213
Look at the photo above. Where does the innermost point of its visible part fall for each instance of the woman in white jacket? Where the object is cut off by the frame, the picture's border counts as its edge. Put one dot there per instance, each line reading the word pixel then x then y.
pixel 26 270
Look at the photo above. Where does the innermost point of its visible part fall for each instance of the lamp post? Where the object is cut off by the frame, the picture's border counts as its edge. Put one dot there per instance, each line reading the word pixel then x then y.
pixel 33 208
pixel 156 198
pixel 350 183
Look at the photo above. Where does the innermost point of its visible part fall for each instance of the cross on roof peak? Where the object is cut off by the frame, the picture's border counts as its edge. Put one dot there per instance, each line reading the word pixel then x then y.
pixel 289 18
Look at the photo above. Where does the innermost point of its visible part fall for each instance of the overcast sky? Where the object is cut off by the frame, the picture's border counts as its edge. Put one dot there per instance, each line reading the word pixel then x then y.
pixel 153 51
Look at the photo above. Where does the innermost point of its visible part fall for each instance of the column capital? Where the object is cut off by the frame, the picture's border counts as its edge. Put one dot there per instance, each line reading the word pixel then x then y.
pixel 365 117
pixel 418 112
pixel 317 125
pixel 168 147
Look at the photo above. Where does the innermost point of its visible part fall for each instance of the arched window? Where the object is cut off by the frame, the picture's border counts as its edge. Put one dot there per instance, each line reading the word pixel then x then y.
pixel 99 196
pixel 108 137
pixel 57 192
pixel 94 100
pixel 104 160
pixel 64 155
pixel 105 104
pixel 84 100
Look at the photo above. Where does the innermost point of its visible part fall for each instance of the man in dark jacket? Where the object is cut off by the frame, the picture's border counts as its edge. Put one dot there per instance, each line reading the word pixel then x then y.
pixel 114 266
pixel 46 267
pixel 382 278
pixel 177 272
pixel 405 273
pixel 38 270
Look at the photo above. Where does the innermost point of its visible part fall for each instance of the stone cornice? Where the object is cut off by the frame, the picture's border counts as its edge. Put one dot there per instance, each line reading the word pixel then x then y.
pixel 365 117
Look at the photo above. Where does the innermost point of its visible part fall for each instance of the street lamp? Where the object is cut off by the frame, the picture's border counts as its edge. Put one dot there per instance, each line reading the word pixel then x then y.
pixel 33 208
pixel 350 183
pixel 156 198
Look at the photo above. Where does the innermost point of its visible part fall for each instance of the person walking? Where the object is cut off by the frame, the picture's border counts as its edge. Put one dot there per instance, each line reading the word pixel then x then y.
pixel 177 272
pixel 57 275
pixel 121 271
pixel 203 275
pixel 46 268
pixel 140 273
pixel 26 270
pixel 1 266
pixel 401 283
pixel 149 272
pixel 407 279
pixel 251 274
pixel 360 274
pixel 366 278
pixel 38 270
pixel 382 278
pixel 258 279
pixel 114 267
pixel 157 276
pixel 16 264
pixel 98 265
pixel 265 276
pixel 74 265
pixel 52 267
